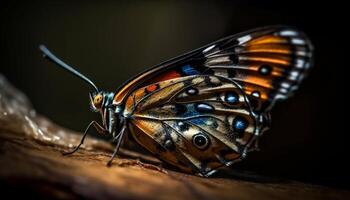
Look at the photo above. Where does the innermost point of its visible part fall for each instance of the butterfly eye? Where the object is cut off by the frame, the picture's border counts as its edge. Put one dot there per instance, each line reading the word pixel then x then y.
pixel 201 141
pixel 98 101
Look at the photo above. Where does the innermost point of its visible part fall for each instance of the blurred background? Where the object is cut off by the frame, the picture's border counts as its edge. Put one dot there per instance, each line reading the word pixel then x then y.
pixel 111 41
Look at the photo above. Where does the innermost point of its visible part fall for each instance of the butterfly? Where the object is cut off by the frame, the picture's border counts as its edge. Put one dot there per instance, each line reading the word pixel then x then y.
pixel 206 109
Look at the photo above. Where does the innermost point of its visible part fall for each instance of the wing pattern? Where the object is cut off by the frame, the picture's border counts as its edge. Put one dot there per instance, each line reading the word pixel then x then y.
pixel 268 64
pixel 206 109
pixel 199 121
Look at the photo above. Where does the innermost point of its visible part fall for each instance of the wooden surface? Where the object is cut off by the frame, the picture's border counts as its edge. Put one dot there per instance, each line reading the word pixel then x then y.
pixel 31 165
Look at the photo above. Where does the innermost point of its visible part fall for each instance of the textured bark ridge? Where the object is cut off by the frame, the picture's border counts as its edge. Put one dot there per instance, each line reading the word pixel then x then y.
pixel 31 165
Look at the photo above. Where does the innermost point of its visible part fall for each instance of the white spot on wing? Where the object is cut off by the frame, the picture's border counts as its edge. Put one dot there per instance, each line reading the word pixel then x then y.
pixel 283 90
pixel 301 53
pixel 208 49
pixel 288 33
pixel 285 85
pixel 300 63
pixel 294 75
pixel 298 41
pixel 256 94
pixel 244 39
pixel 280 96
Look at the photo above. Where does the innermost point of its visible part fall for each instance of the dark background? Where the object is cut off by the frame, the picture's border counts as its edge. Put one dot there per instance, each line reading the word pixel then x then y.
pixel 112 41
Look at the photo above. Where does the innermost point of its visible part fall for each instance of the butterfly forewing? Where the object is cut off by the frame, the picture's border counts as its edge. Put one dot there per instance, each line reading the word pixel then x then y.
pixel 268 64
pixel 205 109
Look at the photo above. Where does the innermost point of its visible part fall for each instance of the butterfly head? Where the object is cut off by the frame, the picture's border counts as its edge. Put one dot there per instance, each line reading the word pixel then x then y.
pixel 96 100
pixel 100 100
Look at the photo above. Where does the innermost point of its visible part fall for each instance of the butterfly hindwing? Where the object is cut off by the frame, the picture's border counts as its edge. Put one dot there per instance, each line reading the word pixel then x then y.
pixel 200 120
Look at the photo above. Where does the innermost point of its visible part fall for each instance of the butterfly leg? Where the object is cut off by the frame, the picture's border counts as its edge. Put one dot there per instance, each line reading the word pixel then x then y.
pixel 98 128
pixel 119 139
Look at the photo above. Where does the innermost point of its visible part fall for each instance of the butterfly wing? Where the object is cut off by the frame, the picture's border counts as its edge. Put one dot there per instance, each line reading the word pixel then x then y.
pixel 198 123
pixel 205 109
pixel 269 63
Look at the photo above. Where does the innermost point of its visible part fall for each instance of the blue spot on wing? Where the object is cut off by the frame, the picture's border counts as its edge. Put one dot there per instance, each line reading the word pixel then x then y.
pixel 188 70
pixel 240 124
pixel 191 111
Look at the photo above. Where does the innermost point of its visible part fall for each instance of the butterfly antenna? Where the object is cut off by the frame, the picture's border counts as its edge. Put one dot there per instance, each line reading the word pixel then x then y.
pixel 47 54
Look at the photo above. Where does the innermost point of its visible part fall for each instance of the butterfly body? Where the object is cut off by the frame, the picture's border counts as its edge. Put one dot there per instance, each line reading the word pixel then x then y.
pixel 206 109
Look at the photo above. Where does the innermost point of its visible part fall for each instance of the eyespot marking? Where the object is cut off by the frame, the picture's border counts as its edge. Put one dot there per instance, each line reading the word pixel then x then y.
pixel 192 91
pixel 256 94
pixel 231 98
pixel 182 126
pixel 201 141
pixel 239 125
pixel 204 108
pixel 265 70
